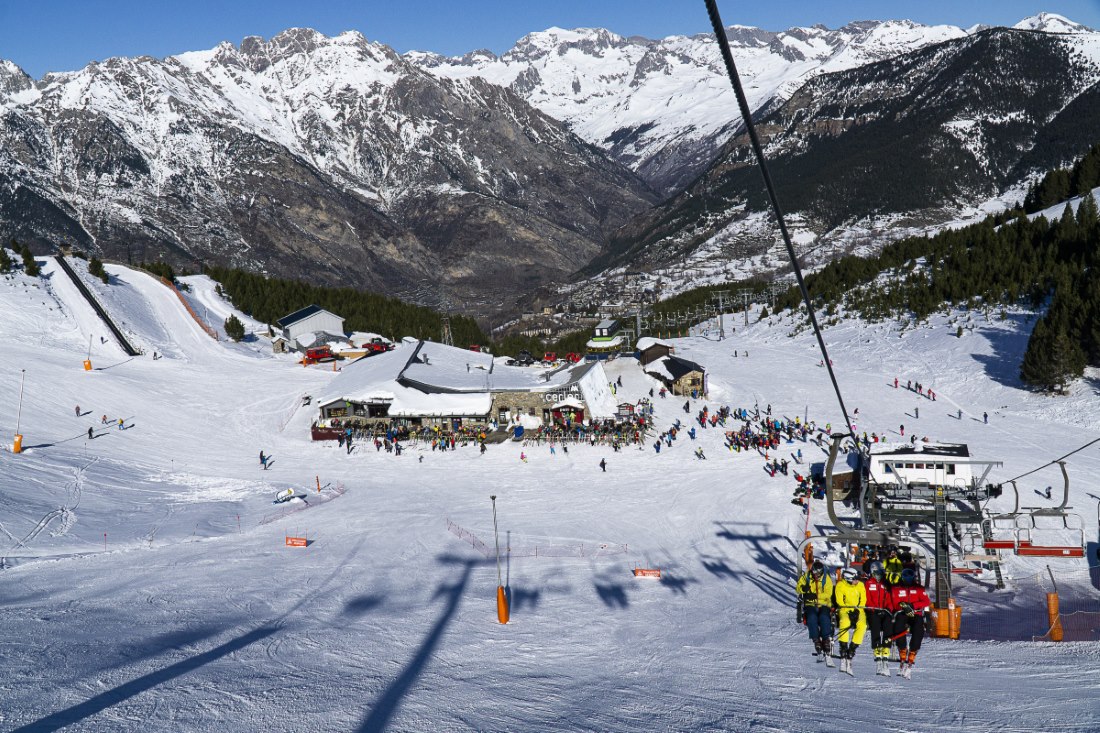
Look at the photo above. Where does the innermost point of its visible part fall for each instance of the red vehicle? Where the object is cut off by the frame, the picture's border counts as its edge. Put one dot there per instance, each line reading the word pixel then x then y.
pixel 550 357
pixel 377 346
pixel 319 353
pixel 475 347
pixel 572 358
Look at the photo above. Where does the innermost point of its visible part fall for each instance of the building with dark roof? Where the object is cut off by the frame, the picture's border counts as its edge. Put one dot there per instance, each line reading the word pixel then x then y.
pixel 309 320
pixel 682 377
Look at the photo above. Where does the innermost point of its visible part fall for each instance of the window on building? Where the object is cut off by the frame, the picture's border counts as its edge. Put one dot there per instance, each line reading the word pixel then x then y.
pixel 951 468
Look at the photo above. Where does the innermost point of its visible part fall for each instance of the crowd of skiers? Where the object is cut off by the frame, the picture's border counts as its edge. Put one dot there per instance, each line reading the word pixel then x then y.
pixel 884 597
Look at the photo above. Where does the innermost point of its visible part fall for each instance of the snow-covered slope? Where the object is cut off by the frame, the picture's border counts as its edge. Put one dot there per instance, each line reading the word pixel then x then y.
pixel 146 582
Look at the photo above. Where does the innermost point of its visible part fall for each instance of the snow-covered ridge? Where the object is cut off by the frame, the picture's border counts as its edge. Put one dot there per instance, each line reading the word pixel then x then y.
pixel 646 100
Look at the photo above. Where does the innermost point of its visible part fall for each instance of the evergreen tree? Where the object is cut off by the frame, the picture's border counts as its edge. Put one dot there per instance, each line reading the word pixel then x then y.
pixel 1087 214
pixel 1086 174
pixel 29 265
pixel 95 267
pixel 234 329
pixel 5 260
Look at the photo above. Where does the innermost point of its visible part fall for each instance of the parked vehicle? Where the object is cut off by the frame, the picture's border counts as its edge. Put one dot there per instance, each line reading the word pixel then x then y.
pixel 319 354
pixel 377 346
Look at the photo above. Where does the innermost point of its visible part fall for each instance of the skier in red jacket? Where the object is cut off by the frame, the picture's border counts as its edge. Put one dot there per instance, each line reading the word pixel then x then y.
pixel 911 603
pixel 880 616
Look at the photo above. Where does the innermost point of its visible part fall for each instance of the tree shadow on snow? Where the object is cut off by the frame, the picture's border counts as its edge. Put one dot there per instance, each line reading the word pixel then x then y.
pixel 388 703
pixel 110 698
pixel 1003 365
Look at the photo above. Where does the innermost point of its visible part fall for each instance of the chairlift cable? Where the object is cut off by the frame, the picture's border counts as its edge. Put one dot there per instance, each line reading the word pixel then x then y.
pixel 1056 460
pixel 746 115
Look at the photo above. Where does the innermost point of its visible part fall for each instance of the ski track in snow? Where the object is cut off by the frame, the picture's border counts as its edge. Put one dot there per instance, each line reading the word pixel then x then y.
pixel 191 621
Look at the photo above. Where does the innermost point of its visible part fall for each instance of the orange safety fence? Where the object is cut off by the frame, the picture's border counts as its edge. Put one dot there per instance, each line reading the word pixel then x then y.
pixel 541 548
pixel 204 326
pixel 1021 611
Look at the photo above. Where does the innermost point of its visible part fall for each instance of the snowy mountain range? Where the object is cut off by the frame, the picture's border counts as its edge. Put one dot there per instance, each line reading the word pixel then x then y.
pixel 477 179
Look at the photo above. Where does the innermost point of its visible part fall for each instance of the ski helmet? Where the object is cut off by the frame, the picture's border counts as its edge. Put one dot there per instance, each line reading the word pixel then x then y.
pixel 876 571
pixel 909 576
pixel 818 568
pixel 849 574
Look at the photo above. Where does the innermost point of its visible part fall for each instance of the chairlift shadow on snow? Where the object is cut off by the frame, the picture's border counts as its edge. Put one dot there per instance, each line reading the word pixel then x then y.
pixel 121 693
pixel 361 604
pixel 384 708
pixel 613 595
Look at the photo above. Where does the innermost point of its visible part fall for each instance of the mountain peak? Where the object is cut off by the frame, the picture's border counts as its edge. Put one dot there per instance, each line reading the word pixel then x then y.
pixel 1051 23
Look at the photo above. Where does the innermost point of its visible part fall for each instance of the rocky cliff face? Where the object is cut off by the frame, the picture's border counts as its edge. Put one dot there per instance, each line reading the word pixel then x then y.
pixel 308 156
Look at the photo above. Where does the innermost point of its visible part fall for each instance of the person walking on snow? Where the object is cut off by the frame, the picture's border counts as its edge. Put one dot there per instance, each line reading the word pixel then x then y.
pixel 78 410
pixel 90 435
pixel 121 423
pixel 603 465
pixel 815 599
pixel 523 456
pixel 850 597
pixel 263 460
pixel 911 603
pixel 985 417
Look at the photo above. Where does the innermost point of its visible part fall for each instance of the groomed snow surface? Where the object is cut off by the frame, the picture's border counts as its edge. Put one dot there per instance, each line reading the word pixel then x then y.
pixel 147 587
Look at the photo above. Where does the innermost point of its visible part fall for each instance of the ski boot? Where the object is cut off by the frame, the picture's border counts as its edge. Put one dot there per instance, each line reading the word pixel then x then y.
pixel 827 652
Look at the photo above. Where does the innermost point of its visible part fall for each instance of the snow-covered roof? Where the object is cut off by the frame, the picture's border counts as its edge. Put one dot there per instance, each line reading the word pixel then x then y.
pixel 427 378
pixel 569 402
pixel 938 450
pixel 672 367
pixel 646 341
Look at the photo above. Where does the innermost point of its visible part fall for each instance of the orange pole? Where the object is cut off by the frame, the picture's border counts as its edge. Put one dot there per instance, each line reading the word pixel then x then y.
pixel 502 605
pixel 318 484
pixel 1057 633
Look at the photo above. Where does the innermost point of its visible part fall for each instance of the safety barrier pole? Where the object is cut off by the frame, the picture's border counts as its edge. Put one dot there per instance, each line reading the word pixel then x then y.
pixel 1054 619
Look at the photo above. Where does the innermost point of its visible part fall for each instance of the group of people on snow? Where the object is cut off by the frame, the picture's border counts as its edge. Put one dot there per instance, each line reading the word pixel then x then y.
pixel 884 597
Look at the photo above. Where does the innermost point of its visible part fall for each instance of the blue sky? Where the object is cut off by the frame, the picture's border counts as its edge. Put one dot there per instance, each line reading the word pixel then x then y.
pixel 62 35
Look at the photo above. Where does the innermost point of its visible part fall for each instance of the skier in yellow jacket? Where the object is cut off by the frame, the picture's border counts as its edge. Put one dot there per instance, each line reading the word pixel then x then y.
pixel 815 605
pixel 849 598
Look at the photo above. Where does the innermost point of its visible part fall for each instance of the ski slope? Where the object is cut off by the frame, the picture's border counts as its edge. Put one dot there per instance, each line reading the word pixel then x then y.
pixel 192 614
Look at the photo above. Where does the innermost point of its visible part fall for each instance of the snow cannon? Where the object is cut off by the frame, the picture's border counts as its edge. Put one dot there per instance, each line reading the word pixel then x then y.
pixel 87 365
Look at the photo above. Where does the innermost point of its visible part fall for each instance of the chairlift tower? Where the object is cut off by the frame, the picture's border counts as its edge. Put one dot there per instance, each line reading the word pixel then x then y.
pixel 721 295
pixel 937 505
